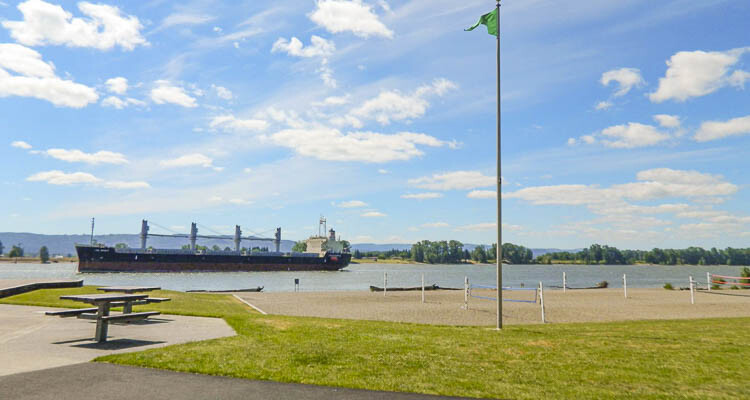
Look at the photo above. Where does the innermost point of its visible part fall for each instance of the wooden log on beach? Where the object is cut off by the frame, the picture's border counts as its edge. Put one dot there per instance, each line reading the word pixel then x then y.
pixel 257 289
pixel 406 289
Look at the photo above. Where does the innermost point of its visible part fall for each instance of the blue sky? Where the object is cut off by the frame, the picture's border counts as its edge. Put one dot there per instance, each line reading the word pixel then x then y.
pixel 624 123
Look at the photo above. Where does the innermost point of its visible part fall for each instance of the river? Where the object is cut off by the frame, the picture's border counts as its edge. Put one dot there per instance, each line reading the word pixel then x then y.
pixel 361 276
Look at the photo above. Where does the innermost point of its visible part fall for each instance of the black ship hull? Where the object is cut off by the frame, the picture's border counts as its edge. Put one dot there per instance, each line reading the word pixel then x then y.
pixel 109 259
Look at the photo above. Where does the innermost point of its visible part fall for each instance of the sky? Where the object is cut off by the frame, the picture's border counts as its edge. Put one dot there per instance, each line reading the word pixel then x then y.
pixel 623 123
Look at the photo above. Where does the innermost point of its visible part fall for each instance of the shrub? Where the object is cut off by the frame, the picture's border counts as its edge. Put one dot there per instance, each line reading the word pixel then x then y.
pixel 668 286
pixel 715 287
pixel 735 287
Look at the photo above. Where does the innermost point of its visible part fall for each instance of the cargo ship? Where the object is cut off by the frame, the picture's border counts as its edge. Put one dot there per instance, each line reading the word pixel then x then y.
pixel 322 254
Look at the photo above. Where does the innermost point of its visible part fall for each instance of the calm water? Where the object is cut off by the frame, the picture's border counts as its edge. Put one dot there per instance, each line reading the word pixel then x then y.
pixel 361 276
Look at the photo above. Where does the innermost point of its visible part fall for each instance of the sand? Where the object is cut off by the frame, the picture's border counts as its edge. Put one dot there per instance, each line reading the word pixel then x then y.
pixel 446 307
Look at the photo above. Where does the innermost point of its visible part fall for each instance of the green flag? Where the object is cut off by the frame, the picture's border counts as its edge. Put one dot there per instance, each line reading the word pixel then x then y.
pixel 489 19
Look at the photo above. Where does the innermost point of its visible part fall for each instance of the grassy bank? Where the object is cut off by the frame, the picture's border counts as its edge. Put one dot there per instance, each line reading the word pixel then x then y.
pixel 36 260
pixel 649 359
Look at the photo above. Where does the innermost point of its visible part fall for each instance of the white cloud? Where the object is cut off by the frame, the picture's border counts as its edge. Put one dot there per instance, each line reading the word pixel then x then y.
pixel 235 200
pixel 667 121
pixel 393 105
pixel 100 157
pixel 49 24
pixel 231 123
pixel 164 92
pixel 484 226
pixel 247 170
pixel 626 79
pixel 36 78
pixel 653 184
pixel 422 196
pixel 118 103
pixel 66 179
pixel 330 144
pixel 333 101
pixel 222 92
pixel 571 141
pixel 713 130
pixel 351 204
pixel 373 214
pixel 457 180
pixel 482 194
pixel 632 135
pixel 185 19
pixel 21 145
pixel 118 85
pixel 603 105
pixel 383 171
pixel 436 225
pixel 698 73
pixel 190 160
pixel 318 47
pixel 349 16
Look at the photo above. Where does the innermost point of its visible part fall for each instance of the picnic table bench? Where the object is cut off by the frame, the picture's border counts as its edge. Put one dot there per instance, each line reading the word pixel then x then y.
pixel 128 306
pixel 103 302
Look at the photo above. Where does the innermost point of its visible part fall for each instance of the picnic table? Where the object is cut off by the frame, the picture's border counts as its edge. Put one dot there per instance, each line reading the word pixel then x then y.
pixel 100 313
pixel 127 307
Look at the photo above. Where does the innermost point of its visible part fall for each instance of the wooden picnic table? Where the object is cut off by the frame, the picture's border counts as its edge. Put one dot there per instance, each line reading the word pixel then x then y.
pixel 103 303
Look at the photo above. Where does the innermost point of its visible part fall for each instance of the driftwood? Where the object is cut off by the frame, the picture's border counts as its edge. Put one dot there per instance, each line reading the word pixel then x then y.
pixel 257 289
pixel 415 288
pixel 600 285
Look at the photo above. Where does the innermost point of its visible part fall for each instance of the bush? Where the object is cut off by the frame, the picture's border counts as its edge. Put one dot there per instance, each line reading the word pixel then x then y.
pixel 602 284
pixel 715 287
pixel 668 286
pixel 735 287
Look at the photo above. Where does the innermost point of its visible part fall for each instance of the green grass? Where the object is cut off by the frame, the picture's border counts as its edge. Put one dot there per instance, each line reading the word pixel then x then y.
pixel 696 359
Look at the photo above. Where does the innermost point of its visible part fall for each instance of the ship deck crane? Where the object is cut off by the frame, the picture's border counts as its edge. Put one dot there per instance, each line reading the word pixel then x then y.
pixel 193 236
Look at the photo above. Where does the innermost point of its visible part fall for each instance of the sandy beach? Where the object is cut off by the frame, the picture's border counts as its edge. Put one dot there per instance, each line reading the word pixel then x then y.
pixel 446 307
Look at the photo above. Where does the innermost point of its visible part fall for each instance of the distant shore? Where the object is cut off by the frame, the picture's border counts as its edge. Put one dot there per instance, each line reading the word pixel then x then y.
pixel 35 260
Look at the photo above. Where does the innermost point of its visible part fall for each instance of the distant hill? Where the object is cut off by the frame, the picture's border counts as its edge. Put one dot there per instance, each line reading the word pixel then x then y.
pixel 65 244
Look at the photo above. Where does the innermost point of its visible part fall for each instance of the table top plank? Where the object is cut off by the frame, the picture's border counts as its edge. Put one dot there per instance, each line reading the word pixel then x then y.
pixel 103 298
pixel 128 289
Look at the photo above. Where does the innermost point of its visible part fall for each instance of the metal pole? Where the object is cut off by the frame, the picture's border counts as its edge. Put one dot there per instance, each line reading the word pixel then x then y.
pixel 692 296
pixel 625 284
pixel 565 282
pixel 708 280
pixel 92 233
pixel 541 302
pixel 499 190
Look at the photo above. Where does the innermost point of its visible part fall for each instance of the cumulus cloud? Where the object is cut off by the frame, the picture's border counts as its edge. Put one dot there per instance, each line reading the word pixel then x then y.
pixel 318 47
pixel 373 214
pixel 190 160
pixel 436 225
pixel 482 194
pixel 164 92
pixel 632 135
pixel 626 79
pixel 75 178
pixel 349 16
pixel 484 226
pixel 222 92
pixel 713 130
pixel 422 196
pixel 35 78
pixel 393 105
pixel 20 144
pixel 698 73
pixel 667 121
pixel 118 103
pixel 351 204
pixel 118 85
pixel 333 101
pixel 603 105
pixel 49 24
pixel 457 180
pixel 231 123
pixel 100 157
pixel 331 144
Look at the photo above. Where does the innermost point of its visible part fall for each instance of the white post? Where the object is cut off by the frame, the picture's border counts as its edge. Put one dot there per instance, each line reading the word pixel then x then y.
pixel 422 288
pixel 385 283
pixel 708 281
pixel 565 282
pixel 625 284
pixel 541 297
pixel 692 296
pixel 466 292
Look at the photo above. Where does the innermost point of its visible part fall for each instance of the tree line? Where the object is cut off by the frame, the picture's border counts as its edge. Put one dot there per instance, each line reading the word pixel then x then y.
pixel 450 252
pixel 603 254
pixel 16 251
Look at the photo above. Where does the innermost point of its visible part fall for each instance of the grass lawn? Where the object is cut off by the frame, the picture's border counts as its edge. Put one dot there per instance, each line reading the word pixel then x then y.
pixel 698 359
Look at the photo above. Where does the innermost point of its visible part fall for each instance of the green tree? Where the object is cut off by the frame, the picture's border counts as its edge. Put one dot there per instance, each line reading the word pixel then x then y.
pixel 1 248
pixel 121 246
pixel 300 247
pixel 357 254
pixel 227 248
pixel 44 254
pixel 216 248
pixel 16 251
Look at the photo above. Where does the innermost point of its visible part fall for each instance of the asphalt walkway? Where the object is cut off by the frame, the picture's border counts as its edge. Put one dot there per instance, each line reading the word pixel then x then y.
pixel 117 382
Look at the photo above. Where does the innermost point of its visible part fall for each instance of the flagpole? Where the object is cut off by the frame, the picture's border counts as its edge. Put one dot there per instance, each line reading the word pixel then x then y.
pixel 499 252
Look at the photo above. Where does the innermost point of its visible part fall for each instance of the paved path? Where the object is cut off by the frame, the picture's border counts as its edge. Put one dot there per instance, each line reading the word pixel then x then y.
pixel 117 382
pixel 30 341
